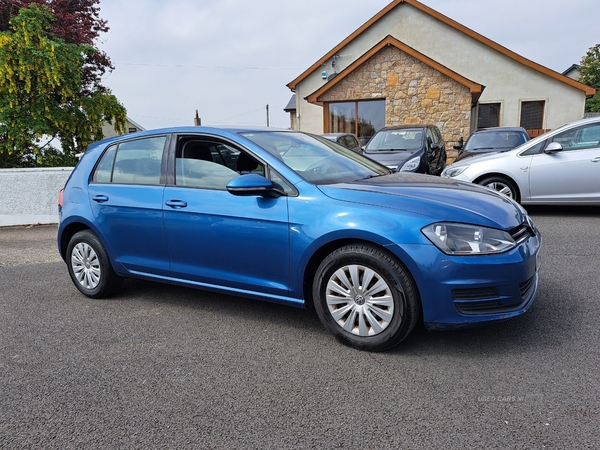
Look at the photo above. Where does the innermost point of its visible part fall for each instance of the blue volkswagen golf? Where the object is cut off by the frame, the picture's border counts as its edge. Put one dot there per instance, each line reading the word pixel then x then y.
pixel 293 218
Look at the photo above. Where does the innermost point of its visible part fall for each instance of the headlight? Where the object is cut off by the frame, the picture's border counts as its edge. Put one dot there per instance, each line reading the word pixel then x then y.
pixel 460 239
pixel 452 171
pixel 411 165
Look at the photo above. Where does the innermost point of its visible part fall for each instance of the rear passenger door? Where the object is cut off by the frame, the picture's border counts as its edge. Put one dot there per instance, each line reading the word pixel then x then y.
pixel 126 196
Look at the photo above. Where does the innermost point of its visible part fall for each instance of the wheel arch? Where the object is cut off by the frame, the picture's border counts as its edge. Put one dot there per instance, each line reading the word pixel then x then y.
pixel 319 255
pixel 67 233
pixel 500 175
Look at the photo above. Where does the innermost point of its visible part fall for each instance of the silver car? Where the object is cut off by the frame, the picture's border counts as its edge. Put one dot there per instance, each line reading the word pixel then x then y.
pixel 559 167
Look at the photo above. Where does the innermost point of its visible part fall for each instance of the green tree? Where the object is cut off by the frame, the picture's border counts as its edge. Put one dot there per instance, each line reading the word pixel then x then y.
pixel 41 98
pixel 589 69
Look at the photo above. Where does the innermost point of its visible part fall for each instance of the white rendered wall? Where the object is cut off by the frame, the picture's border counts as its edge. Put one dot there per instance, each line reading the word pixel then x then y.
pixel 30 196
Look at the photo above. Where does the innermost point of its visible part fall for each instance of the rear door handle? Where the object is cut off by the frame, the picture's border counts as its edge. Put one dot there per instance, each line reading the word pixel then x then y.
pixel 100 198
pixel 596 159
pixel 176 204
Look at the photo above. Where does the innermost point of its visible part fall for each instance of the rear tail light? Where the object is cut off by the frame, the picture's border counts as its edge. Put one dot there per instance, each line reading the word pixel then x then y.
pixel 60 197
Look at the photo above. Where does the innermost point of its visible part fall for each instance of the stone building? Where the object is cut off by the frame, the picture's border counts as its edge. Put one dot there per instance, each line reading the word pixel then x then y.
pixel 410 64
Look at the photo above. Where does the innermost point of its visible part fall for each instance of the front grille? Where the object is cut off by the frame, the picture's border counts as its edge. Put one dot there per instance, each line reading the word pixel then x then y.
pixel 521 233
pixel 488 300
pixel 475 294
pixel 489 306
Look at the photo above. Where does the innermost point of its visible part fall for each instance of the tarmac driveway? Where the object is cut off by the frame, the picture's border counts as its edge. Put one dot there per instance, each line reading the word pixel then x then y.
pixel 159 366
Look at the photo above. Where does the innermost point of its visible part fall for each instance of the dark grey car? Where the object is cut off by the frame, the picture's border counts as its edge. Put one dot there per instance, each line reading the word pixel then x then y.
pixel 347 140
pixel 409 148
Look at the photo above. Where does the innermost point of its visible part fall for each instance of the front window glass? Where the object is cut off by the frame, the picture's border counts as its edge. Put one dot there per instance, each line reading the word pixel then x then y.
pixel 579 138
pixel 404 139
pixel 209 164
pixel 316 159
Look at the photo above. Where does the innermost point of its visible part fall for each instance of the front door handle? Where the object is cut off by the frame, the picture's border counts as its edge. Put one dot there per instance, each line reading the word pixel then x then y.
pixel 176 204
pixel 100 198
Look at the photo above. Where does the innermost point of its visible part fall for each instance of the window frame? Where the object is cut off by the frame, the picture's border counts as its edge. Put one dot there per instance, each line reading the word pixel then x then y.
pixel 116 145
pixel 488 124
pixel 355 120
pixel 523 121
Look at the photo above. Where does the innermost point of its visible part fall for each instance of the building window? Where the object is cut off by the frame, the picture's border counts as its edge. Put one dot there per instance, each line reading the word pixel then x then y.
pixel 532 115
pixel 363 118
pixel 489 115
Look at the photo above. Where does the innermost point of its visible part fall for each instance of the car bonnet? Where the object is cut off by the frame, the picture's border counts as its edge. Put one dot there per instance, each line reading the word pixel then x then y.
pixel 438 198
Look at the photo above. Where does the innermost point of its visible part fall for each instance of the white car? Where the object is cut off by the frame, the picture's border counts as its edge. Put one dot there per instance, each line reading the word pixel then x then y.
pixel 559 167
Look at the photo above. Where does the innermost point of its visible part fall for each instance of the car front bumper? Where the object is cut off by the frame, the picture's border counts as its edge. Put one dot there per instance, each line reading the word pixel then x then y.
pixel 465 291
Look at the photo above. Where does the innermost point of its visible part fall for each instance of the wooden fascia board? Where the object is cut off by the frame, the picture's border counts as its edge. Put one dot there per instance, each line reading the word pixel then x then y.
pixel 475 88
pixel 589 91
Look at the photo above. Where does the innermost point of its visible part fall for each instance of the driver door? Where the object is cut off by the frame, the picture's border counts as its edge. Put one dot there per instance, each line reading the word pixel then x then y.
pixel 218 239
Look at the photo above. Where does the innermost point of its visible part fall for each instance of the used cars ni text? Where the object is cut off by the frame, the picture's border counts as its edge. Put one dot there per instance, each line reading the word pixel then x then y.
pixel 296 219
pixel 559 167
pixel 409 148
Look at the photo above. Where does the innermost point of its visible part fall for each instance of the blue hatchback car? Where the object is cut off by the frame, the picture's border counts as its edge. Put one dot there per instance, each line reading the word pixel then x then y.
pixel 293 218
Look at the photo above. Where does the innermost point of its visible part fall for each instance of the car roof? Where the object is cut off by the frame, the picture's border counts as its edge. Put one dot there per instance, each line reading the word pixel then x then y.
pixel 336 134
pixel 400 127
pixel 495 129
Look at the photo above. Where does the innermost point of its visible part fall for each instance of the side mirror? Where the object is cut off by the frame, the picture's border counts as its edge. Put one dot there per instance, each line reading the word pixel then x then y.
pixel 253 184
pixel 460 144
pixel 553 147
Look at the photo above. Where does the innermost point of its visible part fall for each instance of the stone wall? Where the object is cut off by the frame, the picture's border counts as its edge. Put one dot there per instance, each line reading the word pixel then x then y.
pixel 414 93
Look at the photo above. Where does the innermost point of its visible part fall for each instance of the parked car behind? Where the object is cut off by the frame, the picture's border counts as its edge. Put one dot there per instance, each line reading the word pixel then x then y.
pixel 489 140
pixel 347 140
pixel 559 167
pixel 296 221
pixel 409 148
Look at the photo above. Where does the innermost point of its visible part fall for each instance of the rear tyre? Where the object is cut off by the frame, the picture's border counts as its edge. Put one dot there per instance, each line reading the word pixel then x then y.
pixel 501 185
pixel 89 266
pixel 365 298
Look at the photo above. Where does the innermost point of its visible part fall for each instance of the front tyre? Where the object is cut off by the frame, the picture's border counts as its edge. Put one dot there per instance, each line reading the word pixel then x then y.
pixel 89 266
pixel 365 298
pixel 502 185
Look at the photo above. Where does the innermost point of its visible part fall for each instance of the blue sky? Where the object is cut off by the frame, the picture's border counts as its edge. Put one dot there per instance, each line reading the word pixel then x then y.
pixel 228 59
